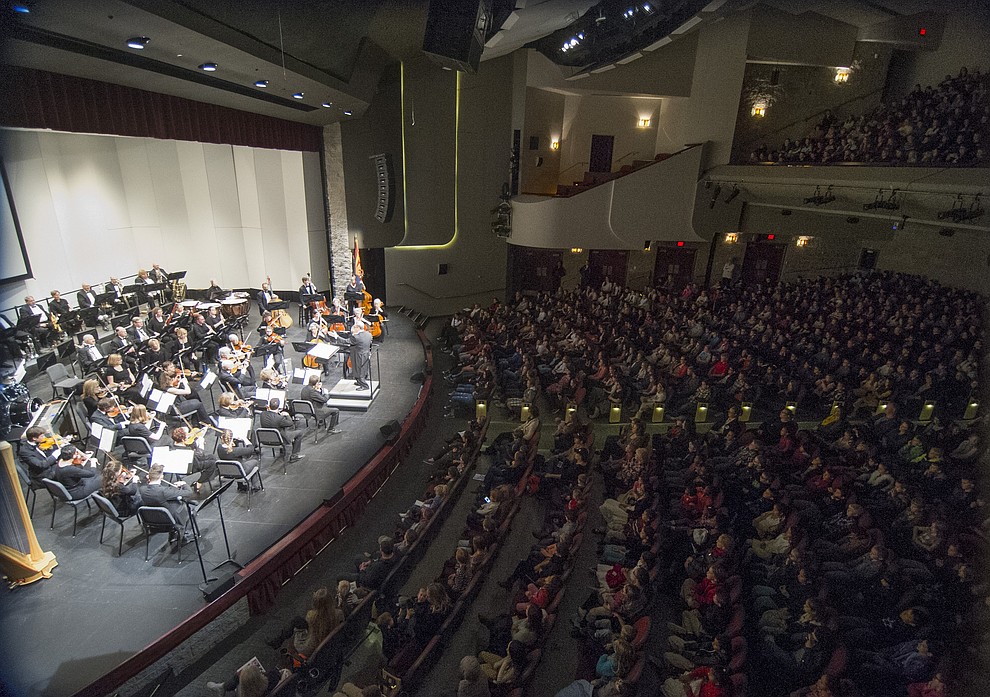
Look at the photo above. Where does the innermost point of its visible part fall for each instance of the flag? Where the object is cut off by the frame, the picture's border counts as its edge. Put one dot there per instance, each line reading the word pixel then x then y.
pixel 356 261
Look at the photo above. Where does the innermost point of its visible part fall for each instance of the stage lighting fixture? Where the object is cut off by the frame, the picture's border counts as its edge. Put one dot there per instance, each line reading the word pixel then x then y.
pixel 347 113
pixel 299 95
pixel 261 83
pixel 208 67
pixel 138 42
pixel 327 105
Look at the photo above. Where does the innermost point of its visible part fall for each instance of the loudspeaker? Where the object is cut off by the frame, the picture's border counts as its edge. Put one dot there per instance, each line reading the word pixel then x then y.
pixel 391 431
pixel 385 178
pixel 455 33
pixel 214 589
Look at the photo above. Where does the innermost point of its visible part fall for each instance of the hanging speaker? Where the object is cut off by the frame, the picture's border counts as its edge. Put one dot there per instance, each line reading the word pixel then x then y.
pixel 385 179
pixel 455 33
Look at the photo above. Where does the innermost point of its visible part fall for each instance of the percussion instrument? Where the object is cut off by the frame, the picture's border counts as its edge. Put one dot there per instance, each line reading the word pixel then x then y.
pixel 206 306
pixel 232 307
pixel 189 304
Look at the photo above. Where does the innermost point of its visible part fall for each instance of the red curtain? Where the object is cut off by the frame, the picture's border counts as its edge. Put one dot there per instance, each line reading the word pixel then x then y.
pixel 39 99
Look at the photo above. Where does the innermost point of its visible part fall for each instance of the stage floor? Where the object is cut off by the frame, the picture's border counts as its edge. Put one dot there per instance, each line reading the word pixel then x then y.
pixel 61 633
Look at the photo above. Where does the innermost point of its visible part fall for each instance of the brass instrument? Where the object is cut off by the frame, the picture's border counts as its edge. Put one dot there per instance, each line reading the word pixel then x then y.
pixel 178 291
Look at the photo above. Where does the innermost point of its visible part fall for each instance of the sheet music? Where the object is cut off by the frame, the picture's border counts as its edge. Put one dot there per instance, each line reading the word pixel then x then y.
pixel 155 395
pixel 166 402
pixel 178 461
pixel 146 385
pixel 301 376
pixel 107 438
pixel 265 395
pixel 209 377
pixel 238 425
pixel 322 351
pixel 157 433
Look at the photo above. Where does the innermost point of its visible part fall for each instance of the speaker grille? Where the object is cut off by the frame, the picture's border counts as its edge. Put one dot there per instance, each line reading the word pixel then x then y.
pixel 385 179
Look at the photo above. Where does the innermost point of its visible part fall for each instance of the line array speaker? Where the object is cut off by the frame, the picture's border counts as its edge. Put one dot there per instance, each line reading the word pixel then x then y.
pixel 385 178
pixel 455 33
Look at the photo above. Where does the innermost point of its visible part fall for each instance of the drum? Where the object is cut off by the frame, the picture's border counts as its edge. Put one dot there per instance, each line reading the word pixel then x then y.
pixel 233 307
pixel 189 304
pixel 205 307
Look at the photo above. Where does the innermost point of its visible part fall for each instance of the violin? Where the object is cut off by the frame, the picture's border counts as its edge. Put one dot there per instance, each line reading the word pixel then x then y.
pixel 52 441
pixel 274 338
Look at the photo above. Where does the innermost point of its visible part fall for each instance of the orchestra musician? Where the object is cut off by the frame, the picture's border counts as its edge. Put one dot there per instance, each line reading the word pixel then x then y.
pixel 38 463
pixel 237 376
pixel 120 380
pixel 137 331
pixel 361 356
pixel 120 487
pixel 215 319
pixel 109 415
pixel 271 379
pixel 141 423
pixel 313 392
pixel 156 321
pixel 230 448
pixel 275 350
pixel 86 298
pixel 307 288
pixel 201 331
pixel 91 395
pixel 185 399
pixel 58 308
pixel 143 279
pixel 158 274
pixel 353 292
pixel 231 407
pixel 73 470
pixel 273 417
pixel 154 492
pixel 182 344
pixel 41 333
pixel 318 329
pixel 203 462
pixel 117 288
pixel 122 344
pixel 264 298
pixel 89 353
pixel 153 354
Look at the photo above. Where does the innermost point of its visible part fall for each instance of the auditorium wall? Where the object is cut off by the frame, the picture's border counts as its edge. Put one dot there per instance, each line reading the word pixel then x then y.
pixel 540 167
pixel 91 206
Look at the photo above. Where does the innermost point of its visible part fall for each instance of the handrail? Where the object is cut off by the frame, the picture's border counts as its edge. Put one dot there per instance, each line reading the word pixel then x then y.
pixel 620 176
pixel 450 297
pixel 269 563
pixel 769 135
pixel 631 152
pixel 583 162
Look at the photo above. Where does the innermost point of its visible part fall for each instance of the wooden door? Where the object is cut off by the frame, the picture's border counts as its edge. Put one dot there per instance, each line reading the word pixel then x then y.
pixel 610 263
pixel 674 268
pixel 534 269
pixel 600 159
pixel 762 263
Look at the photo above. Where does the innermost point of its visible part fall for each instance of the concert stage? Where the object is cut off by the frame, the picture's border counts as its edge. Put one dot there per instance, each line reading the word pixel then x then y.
pixel 98 609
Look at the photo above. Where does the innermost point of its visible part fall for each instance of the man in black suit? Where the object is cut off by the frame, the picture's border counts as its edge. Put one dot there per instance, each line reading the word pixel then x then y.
pixel 264 298
pixel 314 393
pixel 372 573
pixel 41 332
pixel 137 332
pixel 240 380
pixel 80 481
pixel 200 332
pixel 361 356
pixel 89 353
pixel 155 492
pixel 39 463
pixel 101 417
pixel 281 421
pixel 307 288
pixel 86 299
pixel 122 344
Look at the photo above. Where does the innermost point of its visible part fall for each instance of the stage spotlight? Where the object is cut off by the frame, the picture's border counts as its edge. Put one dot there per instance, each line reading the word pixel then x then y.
pixel 208 67
pixel 138 42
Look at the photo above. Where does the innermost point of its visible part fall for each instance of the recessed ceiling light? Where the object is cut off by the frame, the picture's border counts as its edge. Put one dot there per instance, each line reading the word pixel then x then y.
pixel 347 113
pixel 261 83
pixel 298 95
pixel 327 105
pixel 138 42
pixel 178 55
pixel 209 67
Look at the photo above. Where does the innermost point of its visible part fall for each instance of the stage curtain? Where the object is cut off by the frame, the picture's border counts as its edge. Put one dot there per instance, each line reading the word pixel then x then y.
pixel 40 99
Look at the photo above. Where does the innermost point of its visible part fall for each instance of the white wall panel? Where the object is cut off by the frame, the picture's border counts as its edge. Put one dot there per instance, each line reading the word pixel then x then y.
pixel 92 206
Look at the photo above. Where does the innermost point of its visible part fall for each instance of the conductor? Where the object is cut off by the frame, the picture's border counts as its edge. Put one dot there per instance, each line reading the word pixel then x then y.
pixel 361 355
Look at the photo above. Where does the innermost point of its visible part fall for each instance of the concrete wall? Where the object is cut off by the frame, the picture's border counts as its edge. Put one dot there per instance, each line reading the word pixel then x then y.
pixel 619 117
pixel 709 114
pixel 964 41
pixel 539 169
pixel 475 257
pixel 802 39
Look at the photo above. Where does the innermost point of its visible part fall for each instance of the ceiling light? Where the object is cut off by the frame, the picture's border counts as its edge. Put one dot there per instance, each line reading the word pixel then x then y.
pixel 347 113
pixel 261 83
pixel 138 42
pixel 21 9
pixel 327 105
pixel 842 75
pixel 208 67
pixel 299 95
pixel 646 7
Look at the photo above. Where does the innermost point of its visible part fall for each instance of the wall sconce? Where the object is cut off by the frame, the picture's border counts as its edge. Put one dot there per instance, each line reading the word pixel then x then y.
pixel 701 413
pixel 971 409
pixel 576 250
pixel 571 411
pixel 644 123
pixel 926 412
pixel 792 407
pixel 615 414
pixel 480 410
pixel 759 110
pixel 803 241
pixel 731 237
pixel 555 144
pixel 647 245
pixel 747 412
pixel 524 413
pixel 658 414
pixel 842 75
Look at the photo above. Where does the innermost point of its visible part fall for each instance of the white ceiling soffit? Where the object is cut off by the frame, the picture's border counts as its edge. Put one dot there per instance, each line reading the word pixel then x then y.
pixel 658 44
pixel 534 20
pixel 688 25
pixel 858 13
pixel 630 59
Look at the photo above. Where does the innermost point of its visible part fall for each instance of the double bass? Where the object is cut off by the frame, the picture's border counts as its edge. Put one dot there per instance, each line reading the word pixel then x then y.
pixel 280 318
pixel 367 308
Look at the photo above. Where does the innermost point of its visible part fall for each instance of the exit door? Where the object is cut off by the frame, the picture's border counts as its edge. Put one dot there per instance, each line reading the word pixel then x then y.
pixel 606 263
pixel 674 268
pixel 762 263
pixel 600 159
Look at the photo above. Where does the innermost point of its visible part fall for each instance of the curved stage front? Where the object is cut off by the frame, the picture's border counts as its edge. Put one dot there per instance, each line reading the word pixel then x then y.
pixel 84 629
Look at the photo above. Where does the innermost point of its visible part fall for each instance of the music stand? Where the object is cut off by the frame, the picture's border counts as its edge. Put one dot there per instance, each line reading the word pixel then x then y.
pixel 194 509
pixel 278 305
pixel 90 315
pixel 176 275
pixel 105 299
